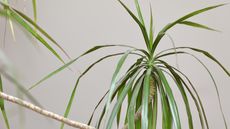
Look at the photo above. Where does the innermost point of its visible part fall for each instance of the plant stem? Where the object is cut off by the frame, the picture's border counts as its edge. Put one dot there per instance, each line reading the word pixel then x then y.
pixel 44 112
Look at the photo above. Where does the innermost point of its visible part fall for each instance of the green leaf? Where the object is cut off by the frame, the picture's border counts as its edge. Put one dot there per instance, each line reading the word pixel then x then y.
pixel 101 117
pixel 131 111
pixel 115 78
pixel 155 107
pixel 77 82
pixel 34 24
pixel 172 103
pixel 150 116
pixel 2 106
pixel 121 99
pixel 210 57
pixel 35 10
pixel 138 108
pixel 71 62
pixel 35 34
pixel 142 27
pixel 207 54
pixel 215 84
pixel 42 31
pixel 145 100
pixel 197 25
pixel 217 91
pixel 120 84
pixel 151 33
pixel 166 113
pixel 170 25
pixel 197 100
pixel 139 12
pixel 91 117
pixel 129 97
pixel 176 78
pixel 9 19
pixel 119 112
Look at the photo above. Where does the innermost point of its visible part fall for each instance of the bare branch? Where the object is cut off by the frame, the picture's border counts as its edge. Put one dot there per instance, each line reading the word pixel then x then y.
pixel 44 112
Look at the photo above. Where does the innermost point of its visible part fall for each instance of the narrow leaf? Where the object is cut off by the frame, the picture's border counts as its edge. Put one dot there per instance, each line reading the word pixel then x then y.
pixel 115 78
pixel 172 103
pixel 35 34
pixel 91 117
pixel 69 63
pixel 176 78
pixel 151 28
pixel 197 25
pixel 170 25
pixel 215 84
pixel 155 107
pixel 35 10
pixel 131 111
pixel 207 54
pixel 139 12
pixel 68 108
pixel 34 24
pixel 166 113
pixel 197 100
pixel 2 107
pixel 121 99
pixel 145 100
pixel 142 27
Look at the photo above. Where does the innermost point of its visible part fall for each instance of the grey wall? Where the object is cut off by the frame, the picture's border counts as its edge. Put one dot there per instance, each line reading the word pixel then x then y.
pixel 80 24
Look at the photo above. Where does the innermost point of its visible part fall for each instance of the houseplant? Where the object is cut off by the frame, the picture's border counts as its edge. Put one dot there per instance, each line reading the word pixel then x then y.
pixel 150 70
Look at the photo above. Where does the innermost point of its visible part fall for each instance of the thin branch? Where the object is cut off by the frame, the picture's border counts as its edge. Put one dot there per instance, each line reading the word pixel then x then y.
pixel 44 112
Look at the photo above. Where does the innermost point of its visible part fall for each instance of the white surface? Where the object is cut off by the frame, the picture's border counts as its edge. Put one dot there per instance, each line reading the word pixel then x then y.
pixel 80 24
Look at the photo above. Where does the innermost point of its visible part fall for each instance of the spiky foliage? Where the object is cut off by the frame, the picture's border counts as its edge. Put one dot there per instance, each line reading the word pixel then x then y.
pixel 144 82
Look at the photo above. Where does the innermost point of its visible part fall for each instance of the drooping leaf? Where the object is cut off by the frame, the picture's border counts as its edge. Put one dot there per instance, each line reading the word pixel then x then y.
pixel 145 99
pixel 176 78
pixel 42 31
pixel 214 82
pixel 129 97
pixel 138 108
pixel 115 78
pixel 155 107
pixel 33 23
pixel 120 84
pixel 35 34
pixel 70 63
pixel 131 111
pixel 166 113
pixel 91 117
pixel 207 54
pixel 196 99
pixel 119 111
pixel 68 108
pixel 150 116
pixel 121 99
pixel 172 103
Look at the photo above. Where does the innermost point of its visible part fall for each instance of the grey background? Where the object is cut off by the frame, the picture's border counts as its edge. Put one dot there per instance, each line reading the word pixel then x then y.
pixel 80 24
